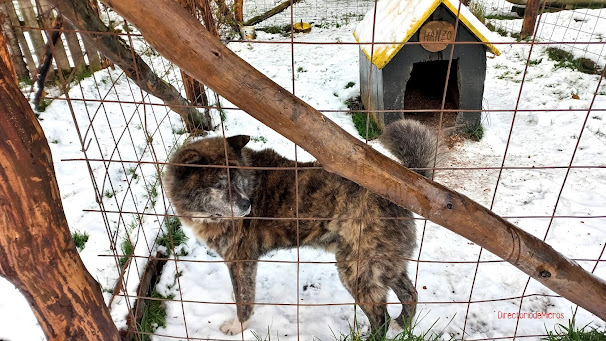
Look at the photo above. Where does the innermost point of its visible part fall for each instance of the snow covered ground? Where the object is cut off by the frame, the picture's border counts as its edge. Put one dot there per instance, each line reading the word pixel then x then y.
pixel 199 282
pixel 583 30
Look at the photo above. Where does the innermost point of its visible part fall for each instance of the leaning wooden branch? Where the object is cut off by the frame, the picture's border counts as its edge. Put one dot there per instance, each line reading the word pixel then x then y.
pixel 181 39
pixel 85 18
pixel 270 13
pixel 37 253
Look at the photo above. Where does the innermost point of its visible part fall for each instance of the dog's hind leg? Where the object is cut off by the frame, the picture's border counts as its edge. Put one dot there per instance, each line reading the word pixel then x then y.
pixel 407 294
pixel 243 278
pixel 368 290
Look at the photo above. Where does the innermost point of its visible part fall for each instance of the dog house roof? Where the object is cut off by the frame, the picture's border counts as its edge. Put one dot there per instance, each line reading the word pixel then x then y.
pixel 398 20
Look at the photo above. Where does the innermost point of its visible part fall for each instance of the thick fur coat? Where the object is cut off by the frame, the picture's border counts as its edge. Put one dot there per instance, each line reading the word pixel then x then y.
pixel 333 213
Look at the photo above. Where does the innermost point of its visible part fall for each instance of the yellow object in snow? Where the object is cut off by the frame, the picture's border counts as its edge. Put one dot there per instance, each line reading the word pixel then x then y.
pixel 302 27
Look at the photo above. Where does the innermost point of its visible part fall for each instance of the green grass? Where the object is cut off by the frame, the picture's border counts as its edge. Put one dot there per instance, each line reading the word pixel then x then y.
pixel 478 10
pixel 566 59
pixel 108 194
pixel 82 75
pixel 151 187
pixel 405 335
pixel 350 85
pixel 535 61
pixel 276 29
pixel 26 81
pixel 41 107
pixel 301 69
pixel 133 172
pixel 259 139
pixel 219 108
pixel 127 250
pixel 502 16
pixel 359 120
pixel 500 30
pixel 80 239
pixel 474 132
pixel 573 333
pixel 179 131
pixel 154 316
pixel 174 235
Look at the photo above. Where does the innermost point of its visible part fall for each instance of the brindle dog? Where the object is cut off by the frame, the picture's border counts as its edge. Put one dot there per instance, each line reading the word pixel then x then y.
pixel 371 253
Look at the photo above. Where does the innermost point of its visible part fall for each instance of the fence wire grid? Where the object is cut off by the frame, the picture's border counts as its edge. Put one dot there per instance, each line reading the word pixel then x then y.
pixel 540 165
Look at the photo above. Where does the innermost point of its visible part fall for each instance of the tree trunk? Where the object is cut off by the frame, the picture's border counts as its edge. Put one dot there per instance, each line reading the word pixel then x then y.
pixel 181 39
pixel 5 57
pixel 239 11
pixel 37 253
pixel 83 16
pixel 225 16
pixel 194 90
pixel 278 9
pixel 12 43
pixel 530 18
pixel 12 14
pixel 207 17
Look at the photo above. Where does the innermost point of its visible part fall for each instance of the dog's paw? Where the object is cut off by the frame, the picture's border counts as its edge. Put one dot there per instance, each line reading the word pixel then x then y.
pixel 233 327
pixel 395 328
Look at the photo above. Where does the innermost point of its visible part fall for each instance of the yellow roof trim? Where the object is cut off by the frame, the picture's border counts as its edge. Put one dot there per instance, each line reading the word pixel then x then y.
pixel 381 59
pixel 472 28
pixel 384 53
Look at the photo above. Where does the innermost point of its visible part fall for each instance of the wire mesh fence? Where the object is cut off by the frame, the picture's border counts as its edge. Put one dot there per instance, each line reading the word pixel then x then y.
pixel 540 164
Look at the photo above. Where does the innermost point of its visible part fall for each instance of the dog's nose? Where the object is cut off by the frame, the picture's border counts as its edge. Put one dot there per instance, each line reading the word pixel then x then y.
pixel 243 204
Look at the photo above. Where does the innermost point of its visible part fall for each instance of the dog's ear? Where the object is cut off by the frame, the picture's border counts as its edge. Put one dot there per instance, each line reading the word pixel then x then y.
pixel 238 142
pixel 191 156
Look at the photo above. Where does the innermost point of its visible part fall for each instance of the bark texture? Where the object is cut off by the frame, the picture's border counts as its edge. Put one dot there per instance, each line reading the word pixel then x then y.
pixel 37 253
pixel 530 18
pixel 194 90
pixel 180 38
pixel 239 10
pixel 5 57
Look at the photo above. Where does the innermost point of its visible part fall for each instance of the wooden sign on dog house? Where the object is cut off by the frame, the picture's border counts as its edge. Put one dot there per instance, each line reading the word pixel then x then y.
pixel 413 76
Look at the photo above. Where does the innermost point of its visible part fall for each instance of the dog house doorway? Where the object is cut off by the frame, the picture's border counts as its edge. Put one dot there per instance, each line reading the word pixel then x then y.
pixel 425 90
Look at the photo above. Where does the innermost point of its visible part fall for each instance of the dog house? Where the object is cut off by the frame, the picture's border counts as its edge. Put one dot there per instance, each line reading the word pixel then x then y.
pixel 413 76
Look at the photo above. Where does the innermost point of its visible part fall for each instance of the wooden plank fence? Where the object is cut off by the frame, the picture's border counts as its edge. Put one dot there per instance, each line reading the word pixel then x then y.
pixel 27 25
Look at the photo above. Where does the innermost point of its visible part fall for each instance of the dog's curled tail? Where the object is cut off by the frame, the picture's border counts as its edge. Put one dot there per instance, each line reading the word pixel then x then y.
pixel 412 143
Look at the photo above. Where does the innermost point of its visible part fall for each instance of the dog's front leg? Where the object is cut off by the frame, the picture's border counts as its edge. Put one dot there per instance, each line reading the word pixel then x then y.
pixel 243 277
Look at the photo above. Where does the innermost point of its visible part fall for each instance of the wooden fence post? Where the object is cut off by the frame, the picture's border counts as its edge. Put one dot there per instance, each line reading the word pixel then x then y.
pixel 9 8
pixel 12 42
pixel 37 253
pixel 530 18
pixel 31 23
pixel 47 22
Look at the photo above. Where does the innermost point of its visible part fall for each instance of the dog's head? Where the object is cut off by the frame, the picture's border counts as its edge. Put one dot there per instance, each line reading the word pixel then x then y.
pixel 199 185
